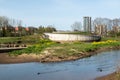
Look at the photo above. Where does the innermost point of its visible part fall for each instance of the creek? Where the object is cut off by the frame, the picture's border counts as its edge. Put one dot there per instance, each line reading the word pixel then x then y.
pixel 83 69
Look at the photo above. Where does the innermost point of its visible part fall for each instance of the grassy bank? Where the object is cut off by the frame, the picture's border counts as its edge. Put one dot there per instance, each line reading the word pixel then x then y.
pixel 32 39
pixel 34 49
pixel 111 38
pixel 9 39
pixel 60 51
pixel 66 50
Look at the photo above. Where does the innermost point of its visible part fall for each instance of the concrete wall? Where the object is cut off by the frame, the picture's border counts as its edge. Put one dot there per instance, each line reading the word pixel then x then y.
pixel 71 37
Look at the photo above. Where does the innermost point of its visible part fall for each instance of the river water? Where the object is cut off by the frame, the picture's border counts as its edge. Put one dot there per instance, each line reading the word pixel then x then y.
pixel 82 69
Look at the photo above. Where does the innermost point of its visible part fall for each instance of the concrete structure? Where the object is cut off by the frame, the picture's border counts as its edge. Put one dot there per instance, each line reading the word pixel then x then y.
pixel 70 37
pixel 101 30
pixel 87 24
pixel 2 50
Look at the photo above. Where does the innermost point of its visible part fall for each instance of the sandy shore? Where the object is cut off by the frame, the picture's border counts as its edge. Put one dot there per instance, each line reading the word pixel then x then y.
pixel 113 76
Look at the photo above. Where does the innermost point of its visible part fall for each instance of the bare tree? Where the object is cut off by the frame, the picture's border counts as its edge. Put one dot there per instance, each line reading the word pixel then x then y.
pixel 76 26
pixel 7 26
pixel 103 21
pixel 116 22
pixel 4 21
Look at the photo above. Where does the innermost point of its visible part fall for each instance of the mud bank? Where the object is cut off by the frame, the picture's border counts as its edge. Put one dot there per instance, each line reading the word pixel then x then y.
pixel 5 58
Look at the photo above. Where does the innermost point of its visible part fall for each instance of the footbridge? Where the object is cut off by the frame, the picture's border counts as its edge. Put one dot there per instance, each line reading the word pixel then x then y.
pixel 11 47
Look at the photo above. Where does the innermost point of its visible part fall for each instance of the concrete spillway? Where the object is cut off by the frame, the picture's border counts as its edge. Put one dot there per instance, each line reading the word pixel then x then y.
pixel 71 37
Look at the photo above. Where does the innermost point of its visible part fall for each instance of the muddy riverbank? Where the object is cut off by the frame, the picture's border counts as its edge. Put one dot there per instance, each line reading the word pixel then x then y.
pixel 5 58
pixel 113 76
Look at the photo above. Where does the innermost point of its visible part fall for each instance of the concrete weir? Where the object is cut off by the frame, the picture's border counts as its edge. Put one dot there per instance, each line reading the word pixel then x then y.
pixel 71 37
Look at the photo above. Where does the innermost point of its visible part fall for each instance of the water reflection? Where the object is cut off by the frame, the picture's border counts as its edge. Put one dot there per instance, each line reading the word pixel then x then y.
pixel 83 69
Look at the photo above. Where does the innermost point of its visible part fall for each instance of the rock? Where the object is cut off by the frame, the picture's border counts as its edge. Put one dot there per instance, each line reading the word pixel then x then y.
pixel 38 73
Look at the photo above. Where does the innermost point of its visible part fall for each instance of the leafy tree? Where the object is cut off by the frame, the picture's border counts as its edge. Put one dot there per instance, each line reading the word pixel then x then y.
pixel 48 29
pixel 41 29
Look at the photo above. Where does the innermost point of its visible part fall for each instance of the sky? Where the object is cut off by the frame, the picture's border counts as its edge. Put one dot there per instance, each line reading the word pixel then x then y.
pixel 59 13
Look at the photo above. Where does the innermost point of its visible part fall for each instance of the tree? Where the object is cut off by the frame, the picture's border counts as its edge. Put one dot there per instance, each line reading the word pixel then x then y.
pixel 41 29
pixel 50 29
pixel 31 30
pixel 7 26
pixel 76 26
pixel 116 22
pixel 103 21
pixel 3 25
pixel 4 21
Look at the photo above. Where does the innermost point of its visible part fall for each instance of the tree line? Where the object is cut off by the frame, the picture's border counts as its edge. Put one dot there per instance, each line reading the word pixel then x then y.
pixel 110 23
pixel 13 28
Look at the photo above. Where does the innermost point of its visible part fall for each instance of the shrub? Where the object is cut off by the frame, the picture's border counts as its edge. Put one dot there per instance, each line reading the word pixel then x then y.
pixel 37 48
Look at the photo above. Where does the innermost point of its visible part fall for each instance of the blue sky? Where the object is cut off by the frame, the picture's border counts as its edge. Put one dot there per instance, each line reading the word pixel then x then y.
pixel 60 13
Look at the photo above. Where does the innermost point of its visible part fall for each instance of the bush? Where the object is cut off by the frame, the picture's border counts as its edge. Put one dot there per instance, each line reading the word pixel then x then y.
pixel 37 48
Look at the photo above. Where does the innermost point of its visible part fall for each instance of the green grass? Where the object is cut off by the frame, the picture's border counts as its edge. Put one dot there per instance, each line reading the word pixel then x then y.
pixel 74 49
pixel 66 49
pixel 32 39
pixel 77 32
pixel 37 45
pixel 36 48
pixel 111 38
pixel 9 39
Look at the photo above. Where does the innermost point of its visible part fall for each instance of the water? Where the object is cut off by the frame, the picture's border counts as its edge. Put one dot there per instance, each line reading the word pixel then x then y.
pixel 83 69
